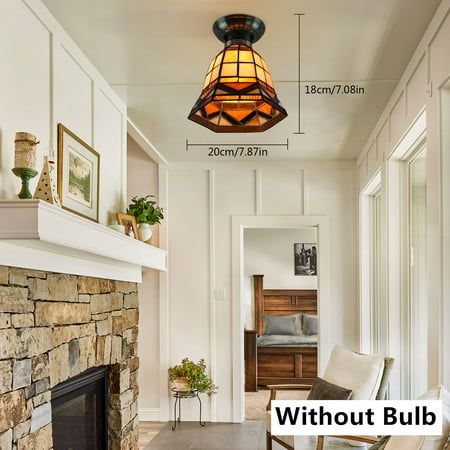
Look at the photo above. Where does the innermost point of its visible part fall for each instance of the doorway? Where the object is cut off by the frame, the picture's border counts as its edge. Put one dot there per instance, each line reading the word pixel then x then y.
pixel 241 309
pixel 280 308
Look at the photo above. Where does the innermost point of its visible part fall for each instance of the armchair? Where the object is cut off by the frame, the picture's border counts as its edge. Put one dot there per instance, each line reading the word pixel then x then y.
pixel 366 375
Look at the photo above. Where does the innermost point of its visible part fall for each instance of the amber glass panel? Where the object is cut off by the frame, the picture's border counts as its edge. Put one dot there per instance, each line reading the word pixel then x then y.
pixel 246 56
pixel 215 74
pixel 210 66
pixel 218 59
pixel 230 56
pixel 257 59
pixel 229 70
pixel 265 108
pixel 264 65
pixel 207 80
pixel 260 74
pixel 269 79
pixel 247 70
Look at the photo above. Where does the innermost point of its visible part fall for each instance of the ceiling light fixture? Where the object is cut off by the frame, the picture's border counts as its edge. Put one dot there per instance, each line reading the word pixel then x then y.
pixel 238 94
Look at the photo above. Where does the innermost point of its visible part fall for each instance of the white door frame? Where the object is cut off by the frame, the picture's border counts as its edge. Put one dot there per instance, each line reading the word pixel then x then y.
pixel 239 223
pixel 365 263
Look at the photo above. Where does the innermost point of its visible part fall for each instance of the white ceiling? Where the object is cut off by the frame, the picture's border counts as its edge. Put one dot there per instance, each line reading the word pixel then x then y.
pixel 155 54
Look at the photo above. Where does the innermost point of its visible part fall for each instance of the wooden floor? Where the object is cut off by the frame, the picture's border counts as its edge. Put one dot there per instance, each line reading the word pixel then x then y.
pixel 249 435
pixel 223 436
pixel 147 431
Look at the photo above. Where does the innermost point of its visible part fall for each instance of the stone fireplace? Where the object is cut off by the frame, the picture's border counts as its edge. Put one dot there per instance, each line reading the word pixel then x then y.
pixel 54 327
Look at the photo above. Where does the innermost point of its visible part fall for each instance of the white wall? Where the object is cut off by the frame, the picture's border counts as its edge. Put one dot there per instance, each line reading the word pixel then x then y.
pixel 143 180
pixel 46 80
pixel 270 252
pixel 423 88
pixel 203 198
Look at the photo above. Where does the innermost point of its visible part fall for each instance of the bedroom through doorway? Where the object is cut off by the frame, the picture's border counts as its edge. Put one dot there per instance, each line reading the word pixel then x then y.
pixel 280 307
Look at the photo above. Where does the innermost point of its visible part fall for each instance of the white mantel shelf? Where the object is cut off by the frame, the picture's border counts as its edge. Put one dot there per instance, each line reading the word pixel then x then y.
pixel 37 235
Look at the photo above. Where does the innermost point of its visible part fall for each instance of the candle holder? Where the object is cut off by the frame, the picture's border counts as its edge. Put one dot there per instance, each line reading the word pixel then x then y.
pixel 25 174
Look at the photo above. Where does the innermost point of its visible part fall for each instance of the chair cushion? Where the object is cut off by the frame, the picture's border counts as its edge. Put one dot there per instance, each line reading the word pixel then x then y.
pixel 438 393
pixel 322 390
pixel 427 442
pixel 404 443
pixel 359 373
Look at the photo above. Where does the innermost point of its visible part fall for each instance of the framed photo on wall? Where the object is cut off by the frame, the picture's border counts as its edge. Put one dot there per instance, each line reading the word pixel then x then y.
pixel 305 259
pixel 129 222
pixel 78 175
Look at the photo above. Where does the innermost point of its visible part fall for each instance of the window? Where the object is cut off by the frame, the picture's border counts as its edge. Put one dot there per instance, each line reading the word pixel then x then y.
pixel 372 326
pixel 375 272
pixel 417 279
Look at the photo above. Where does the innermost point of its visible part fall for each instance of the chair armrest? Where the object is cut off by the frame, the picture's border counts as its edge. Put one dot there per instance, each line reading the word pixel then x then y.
pixel 366 439
pixel 289 387
pixel 284 387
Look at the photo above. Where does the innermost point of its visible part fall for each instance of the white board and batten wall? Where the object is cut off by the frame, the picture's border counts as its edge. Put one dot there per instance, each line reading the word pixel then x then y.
pixel 421 101
pixel 46 80
pixel 143 180
pixel 203 198
pixel 270 252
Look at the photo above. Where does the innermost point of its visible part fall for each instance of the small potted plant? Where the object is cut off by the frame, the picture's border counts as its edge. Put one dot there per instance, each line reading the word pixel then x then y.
pixel 191 376
pixel 147 213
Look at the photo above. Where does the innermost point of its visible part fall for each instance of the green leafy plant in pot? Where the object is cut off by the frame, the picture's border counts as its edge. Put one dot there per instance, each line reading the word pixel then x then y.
pixel 191 376
pixel 147 213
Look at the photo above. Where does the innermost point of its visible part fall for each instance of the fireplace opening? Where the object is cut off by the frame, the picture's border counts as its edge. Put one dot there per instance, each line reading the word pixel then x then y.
pixel 79 412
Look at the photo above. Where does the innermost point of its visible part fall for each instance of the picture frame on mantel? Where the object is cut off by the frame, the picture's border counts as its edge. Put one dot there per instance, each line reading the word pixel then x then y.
pixel 129 222
pixel 78 175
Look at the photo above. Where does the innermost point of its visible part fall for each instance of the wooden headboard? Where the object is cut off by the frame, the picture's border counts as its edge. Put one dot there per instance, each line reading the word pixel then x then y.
pixel 281 302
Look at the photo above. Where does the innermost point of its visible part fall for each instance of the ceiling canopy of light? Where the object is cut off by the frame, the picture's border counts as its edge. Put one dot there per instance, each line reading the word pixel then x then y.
pixel 238 95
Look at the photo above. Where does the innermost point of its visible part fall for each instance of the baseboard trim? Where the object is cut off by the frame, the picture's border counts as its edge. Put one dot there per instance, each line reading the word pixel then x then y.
pixel 149 414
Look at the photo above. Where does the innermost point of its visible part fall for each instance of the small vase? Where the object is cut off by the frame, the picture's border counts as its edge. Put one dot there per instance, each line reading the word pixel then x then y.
pixel 118 228
pixel 145 232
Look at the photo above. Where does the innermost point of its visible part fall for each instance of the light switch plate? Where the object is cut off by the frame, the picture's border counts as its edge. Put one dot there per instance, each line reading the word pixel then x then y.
pixel 219 294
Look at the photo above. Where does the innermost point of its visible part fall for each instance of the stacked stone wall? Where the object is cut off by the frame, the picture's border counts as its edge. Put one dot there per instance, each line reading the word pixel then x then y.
pixel 52 328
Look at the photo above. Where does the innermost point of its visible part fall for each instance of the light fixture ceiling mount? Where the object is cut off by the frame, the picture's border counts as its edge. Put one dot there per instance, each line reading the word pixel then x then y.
pixel 238 94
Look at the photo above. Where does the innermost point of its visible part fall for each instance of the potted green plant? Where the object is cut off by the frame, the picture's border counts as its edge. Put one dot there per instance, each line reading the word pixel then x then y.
pixel 147 213
pixel 191 376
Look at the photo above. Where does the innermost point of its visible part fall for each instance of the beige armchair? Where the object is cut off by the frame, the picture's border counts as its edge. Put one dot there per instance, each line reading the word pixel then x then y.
pixel 366 375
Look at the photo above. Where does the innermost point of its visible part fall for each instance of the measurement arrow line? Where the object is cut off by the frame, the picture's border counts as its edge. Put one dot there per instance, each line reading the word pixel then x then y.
pixel 237 145
pixel 194 144
pixel 299 74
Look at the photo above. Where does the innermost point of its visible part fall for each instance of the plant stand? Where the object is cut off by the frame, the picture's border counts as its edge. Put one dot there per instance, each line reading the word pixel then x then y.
pixel 180 395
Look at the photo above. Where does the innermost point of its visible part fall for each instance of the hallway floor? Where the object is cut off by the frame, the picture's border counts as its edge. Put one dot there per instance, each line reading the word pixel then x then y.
pixel 223 436
pixel 249 435
pixel 147 431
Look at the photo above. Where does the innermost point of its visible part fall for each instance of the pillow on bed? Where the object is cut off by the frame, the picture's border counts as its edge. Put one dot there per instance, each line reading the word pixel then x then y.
pixel 310 324
pixel 285 325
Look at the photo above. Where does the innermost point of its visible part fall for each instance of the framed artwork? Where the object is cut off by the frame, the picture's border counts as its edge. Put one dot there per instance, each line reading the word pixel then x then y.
pixel 129 222
pixel 78 175
pixel 305 259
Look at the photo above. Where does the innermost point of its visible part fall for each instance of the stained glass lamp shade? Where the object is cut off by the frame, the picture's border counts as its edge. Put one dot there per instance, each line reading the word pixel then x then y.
pixel 238 95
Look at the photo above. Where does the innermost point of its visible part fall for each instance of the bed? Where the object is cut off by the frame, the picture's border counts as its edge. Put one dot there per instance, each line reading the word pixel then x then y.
pixel 279 359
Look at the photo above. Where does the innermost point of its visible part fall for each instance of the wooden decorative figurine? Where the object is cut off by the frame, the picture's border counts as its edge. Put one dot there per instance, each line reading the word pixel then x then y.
pixel 46 188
